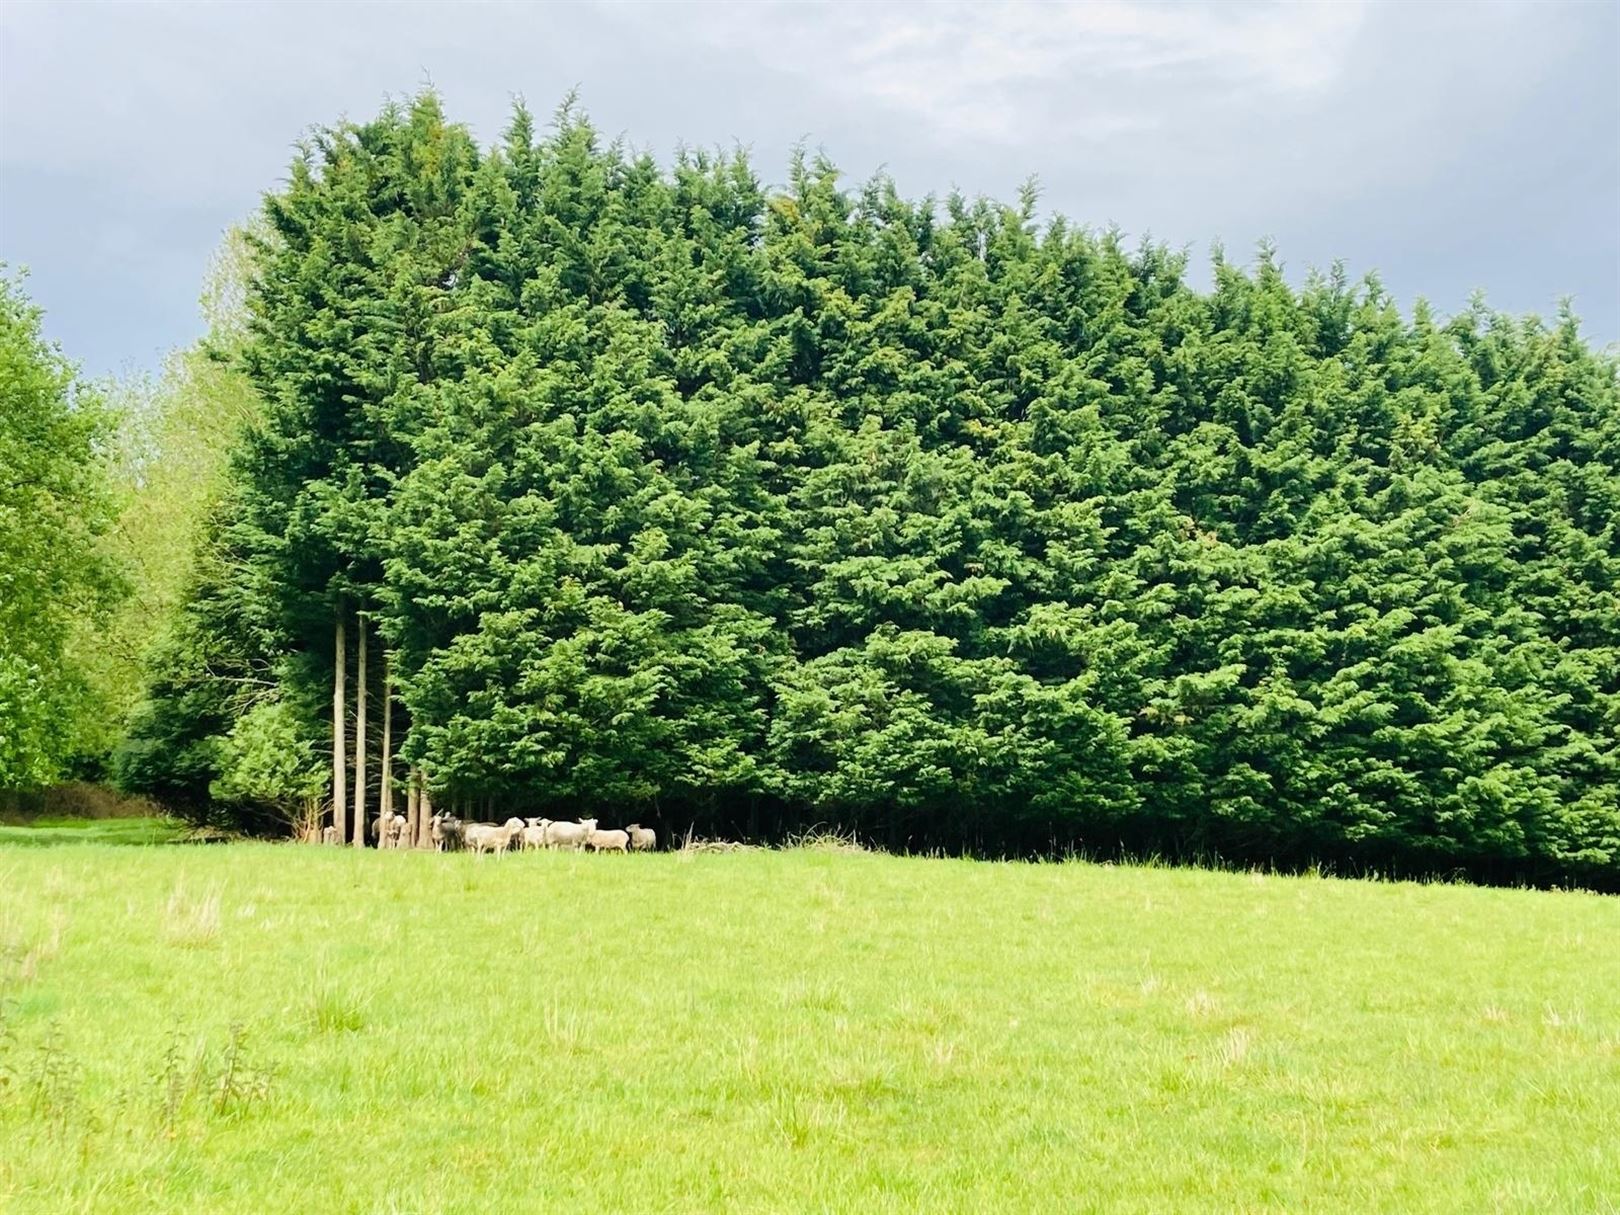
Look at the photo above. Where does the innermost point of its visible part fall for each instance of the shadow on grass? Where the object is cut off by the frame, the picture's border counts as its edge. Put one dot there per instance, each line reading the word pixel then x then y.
pixel 54 832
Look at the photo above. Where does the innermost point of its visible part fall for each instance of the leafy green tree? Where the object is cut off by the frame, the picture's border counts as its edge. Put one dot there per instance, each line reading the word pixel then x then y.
pixel 169 460
pixel 266 759
pixel 55 506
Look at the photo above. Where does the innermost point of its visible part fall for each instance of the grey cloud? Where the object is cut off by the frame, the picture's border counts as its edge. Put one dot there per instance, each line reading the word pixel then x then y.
pixel 1448 147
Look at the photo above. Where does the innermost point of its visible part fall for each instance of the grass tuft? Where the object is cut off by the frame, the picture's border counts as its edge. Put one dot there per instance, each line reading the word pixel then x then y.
pixel 191 923
pixel 826 839
pixel 333 1011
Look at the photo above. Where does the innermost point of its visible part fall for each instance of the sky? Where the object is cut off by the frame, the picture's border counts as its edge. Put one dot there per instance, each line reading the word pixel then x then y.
pixel 1450 147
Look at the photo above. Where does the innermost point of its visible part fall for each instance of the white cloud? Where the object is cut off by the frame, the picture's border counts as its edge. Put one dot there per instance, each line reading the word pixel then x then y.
pixel 980 70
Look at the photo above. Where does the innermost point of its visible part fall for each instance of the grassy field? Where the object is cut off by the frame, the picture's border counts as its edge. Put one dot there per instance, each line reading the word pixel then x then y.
pixel 254 1028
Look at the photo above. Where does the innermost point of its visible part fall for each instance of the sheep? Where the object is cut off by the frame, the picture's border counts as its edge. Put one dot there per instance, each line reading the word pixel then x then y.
pixel 642 839
pixel 386 827
pixel 487 837
pixel 534 833
pixel 329 835
pixel 394 833
pixel 448 833
pixel 569 836
pixel 608 841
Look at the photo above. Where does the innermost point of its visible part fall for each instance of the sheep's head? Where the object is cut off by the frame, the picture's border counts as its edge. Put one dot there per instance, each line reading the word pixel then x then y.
pixel 514 824
pixel 589 824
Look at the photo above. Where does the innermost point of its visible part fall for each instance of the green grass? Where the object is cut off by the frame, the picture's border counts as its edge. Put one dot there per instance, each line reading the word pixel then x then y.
pixel 49 832
pixel 261 1028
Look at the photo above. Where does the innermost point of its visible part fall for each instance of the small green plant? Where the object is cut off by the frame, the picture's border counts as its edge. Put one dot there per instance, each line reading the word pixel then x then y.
pixel 230 1085
pixel 8 1043
pixel 172 1086
pixel 53 1083
pixel 239 1084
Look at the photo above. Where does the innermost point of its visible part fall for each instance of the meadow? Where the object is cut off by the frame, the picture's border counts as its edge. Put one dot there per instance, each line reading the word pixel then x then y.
pixel 260 1027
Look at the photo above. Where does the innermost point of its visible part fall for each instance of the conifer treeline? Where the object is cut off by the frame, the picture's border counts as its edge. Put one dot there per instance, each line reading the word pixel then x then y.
pixel 675 497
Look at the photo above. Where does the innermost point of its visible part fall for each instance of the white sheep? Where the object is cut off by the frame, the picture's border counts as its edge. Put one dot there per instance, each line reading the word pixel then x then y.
pixel 448 833
pixel 487 837
pixel 385 828
pixel 569 836
pixel 608 841
pixel 642 839
pixel 534 833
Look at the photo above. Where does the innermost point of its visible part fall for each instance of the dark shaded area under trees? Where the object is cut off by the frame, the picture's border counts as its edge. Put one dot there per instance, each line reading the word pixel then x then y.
pixel 672 497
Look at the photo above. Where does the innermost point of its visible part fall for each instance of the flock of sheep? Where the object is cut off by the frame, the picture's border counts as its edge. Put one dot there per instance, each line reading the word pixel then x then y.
pixel 450 834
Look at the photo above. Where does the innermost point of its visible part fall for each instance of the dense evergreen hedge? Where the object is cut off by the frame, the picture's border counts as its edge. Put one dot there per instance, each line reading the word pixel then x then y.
pixel 677 497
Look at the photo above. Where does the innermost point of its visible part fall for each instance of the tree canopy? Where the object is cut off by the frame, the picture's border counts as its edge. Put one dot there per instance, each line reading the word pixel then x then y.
pixel 676 496
pixel 55 576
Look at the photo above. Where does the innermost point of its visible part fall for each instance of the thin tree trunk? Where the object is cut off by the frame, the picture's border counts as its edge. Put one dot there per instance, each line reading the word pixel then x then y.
pixel 412 810
pixel 340 818
pixel 419 827
pixel 385 811
pixel 359 840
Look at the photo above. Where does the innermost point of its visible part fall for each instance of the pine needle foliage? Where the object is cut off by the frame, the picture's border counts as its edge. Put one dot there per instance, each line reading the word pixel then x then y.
pixel 680 497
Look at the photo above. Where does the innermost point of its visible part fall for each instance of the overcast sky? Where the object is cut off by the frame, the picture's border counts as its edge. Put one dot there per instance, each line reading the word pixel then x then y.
pixel 1450 147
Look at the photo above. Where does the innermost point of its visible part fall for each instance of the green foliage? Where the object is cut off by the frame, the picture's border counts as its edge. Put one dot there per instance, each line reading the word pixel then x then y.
pixel 265 759
pixel 209 668
pixel 55 505
pixel 179 660
pixel 679 498
pixel 172 450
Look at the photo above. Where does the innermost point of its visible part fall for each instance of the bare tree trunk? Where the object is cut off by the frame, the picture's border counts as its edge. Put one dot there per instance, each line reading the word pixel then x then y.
pixel 419 825
pixel 339 793
pixel 385 812
pixel 359 840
